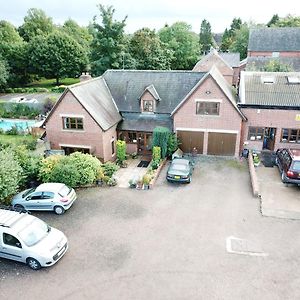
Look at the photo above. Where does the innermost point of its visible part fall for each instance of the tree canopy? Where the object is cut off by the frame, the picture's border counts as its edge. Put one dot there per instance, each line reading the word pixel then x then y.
pixel 183 42
pixel 205 36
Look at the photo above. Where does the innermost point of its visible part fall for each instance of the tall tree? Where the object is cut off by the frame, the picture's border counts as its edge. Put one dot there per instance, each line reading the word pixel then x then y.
pixel 229 34
pixel 8 33
pixel 109 44
pixel 149 52
pixel 288 21
pixel 57 55
pixel 240 43
pixel 180 38
pixel 205 37
pixel 36 22
pixel 4 74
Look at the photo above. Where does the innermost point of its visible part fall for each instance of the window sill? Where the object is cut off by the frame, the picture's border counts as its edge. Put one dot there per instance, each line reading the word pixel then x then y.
pixel 208 116
pixel 73 130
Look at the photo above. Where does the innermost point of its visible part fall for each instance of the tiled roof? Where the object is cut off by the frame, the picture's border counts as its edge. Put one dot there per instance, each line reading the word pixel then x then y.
pixel 144 122
pixel 126 87
pixel 233 59
pixel 274 39
pixel 256 88
pixel 95 97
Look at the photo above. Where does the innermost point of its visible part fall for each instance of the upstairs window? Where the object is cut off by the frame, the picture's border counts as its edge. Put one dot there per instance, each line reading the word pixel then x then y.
pixel 208 108
pixel 72 123
pixel 148 105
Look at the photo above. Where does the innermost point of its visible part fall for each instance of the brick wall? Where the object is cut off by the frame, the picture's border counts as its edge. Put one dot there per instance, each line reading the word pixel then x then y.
pixel 92 136
pixel 269 54
pixel 228 120
pixel 270 118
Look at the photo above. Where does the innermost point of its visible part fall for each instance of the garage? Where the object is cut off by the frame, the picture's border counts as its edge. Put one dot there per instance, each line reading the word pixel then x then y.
pixel 190 140
pixel 221 143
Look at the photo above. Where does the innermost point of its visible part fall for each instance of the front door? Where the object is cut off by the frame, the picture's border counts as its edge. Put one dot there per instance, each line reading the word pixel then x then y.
pixel 144 143
pixel 269 138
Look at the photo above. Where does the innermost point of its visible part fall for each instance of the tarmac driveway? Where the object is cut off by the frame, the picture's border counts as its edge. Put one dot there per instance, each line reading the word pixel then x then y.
pixel 167 243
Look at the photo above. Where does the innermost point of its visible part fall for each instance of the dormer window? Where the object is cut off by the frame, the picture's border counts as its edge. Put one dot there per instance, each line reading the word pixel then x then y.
pixel 148 105
pixel 268 80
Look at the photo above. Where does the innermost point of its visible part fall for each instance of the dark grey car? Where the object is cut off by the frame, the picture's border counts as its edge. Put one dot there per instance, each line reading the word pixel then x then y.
pixel 180 170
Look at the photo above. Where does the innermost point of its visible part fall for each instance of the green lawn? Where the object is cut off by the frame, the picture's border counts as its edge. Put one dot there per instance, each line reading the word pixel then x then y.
pixel 49 83
pixel 16 139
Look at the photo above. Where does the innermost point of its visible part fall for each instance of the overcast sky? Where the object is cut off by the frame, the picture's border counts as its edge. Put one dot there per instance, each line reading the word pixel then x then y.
pixel 154 13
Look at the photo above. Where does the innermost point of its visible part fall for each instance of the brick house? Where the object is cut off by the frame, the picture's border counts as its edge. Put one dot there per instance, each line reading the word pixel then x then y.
pixel 280 44
pixel 123 104
pixel 271 103
pixel 227 63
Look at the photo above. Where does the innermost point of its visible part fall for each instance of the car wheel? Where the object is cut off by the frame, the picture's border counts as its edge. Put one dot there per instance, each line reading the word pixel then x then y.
pixel 59 210
pixel 19 207
pixel 33 263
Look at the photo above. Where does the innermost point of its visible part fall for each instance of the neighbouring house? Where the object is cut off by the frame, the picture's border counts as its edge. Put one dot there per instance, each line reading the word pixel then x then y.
pixel 227 63
pixel 271 103
pixel 199 107
pixel 280 44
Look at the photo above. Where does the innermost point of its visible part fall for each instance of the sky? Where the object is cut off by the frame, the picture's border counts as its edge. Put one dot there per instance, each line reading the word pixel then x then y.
pixel 154 13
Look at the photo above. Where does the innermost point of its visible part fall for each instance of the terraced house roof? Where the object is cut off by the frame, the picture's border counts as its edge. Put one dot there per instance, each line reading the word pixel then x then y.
pixel 274 89
pixel 274 39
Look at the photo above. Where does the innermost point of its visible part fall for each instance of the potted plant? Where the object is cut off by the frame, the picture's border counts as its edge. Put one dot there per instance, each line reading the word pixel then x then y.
pixel 146 181
pixel 256 160
pixel 132 183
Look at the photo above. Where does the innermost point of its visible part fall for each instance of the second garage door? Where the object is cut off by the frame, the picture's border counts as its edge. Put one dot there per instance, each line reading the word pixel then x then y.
pixel 190 140
pixel 221 143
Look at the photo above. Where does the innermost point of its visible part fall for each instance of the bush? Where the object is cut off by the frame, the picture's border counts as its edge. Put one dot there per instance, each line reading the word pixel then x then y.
pixel 156 153
pixel 17 110
pixel 13 131
pixel 173 144
pixel 10 175
pixel 121 151
pixel 154 164
pixel 160 138
pixel 109 169
pixel 48 104
pixel 58 89
pixel 47 166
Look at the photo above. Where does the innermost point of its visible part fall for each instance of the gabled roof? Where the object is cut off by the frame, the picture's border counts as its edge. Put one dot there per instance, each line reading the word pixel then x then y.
pixel 126 87
pixel 224 86
pixel 274 89
pixel 96 98
pixel 151 89
pixel 232 59
pixel 274 39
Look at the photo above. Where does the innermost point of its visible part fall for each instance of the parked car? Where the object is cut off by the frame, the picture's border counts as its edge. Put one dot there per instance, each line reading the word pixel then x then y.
pixel 180 170
pixel 32 100
pixel 30 240
pixel 288 162
pixel 18 99
pixel 55 197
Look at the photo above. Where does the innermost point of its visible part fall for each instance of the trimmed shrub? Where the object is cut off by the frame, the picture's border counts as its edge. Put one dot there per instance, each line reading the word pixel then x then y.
pixel 109 169
pixel 160 138
pixel 47 166
pixel 156 153
pixel 173 144
pixel 121 151
pixel 10 175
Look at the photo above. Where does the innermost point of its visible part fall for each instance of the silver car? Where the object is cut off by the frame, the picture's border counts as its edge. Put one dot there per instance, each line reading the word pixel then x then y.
pixel 55 197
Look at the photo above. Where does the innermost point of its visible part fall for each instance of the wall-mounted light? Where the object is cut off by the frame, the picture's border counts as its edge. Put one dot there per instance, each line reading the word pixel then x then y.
pixel 208 92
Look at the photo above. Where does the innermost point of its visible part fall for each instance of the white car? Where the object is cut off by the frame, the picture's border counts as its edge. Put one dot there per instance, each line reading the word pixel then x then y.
pixel 55 197
pixel 18 99
pixel 27 239
pixel 32 100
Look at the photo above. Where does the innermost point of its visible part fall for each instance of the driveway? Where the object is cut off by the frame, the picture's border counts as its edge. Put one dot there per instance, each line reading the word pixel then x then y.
pixel 277 199
pixel 171 242
pixel 41 97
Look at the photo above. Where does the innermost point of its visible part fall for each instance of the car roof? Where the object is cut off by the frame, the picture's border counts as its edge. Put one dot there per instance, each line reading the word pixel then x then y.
pixel 50 187
pixel 12 219
pixel 295 153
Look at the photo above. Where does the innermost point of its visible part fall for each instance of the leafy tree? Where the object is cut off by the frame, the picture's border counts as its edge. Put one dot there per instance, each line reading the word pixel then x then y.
pixel 240 43
pixel 183 42
pixel 160 139
pixel 288 21
pixel 149 52
pixel 205 37
pixel 36 22
pixel 57 55
pixel 4 74
pixel 80 34
pixel 230 34
pixel 273 20
pixel 10 175
pixel 8 33
pixel 109 44
pixel 276 66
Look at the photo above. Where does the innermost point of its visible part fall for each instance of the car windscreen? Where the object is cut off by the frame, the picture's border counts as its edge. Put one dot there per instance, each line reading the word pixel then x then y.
pixel 179 167
pixel 34 232
pixel 27 192
pixel 64 191
pixel 296 166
